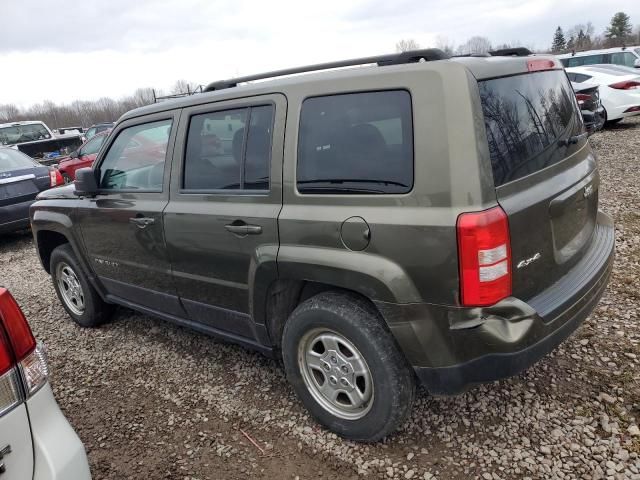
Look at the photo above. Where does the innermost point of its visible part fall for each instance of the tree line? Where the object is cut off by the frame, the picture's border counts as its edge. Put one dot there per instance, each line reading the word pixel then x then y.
pixel 581 36
pixel 83 113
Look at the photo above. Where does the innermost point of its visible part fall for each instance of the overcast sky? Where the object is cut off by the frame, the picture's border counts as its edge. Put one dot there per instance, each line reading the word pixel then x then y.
pixel 64 50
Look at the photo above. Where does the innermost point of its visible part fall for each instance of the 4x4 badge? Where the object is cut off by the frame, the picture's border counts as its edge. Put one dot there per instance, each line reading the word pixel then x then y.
pixel 527 261
pixel 588 190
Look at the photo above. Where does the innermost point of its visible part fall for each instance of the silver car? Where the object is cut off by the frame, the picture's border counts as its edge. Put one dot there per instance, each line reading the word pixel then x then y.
pixel 36 440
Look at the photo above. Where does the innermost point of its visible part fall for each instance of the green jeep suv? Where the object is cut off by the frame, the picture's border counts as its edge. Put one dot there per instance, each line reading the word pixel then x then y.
pixel 376 224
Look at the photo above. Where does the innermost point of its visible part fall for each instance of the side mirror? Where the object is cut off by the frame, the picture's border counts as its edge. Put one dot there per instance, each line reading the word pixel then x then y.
pixel 86 184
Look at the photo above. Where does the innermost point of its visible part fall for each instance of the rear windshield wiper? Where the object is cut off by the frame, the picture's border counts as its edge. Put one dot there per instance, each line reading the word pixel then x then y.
pixel 565 142
pixel 352 180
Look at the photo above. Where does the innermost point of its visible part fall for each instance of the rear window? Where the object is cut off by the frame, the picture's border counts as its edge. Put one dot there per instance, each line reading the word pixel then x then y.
pixel 14 160
pixel 357 143
pixel 525 117
pixel 23 133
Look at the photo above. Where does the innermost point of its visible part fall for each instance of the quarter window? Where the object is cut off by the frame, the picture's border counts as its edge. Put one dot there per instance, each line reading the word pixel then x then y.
pixel 135 160
pixel 623 58
pixel 357 143
pixel 223 154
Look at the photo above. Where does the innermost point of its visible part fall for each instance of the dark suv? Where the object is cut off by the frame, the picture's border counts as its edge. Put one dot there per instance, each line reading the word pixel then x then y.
pixel 423 219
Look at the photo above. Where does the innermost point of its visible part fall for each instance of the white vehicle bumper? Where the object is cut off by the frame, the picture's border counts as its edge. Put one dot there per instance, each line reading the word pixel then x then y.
pixel 618 101
pixel 58 452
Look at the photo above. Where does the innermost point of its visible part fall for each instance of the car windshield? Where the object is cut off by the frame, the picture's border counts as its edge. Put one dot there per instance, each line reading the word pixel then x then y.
pixel 23 133
pixel 14 160
pixel 526 116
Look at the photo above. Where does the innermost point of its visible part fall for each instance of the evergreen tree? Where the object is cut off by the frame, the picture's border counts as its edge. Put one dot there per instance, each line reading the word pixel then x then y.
pixel 558 44
pixel 571 43
pixel 619 28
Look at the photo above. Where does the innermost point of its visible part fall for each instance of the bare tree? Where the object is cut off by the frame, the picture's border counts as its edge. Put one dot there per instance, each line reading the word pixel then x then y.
pixel 8 112
pixel 183 86
pixel 407 45
pixel 474 45
pixel 444 44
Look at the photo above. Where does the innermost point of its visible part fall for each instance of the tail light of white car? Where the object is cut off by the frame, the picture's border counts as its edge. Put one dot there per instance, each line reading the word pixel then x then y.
pixel 626 85
pixel 23 365
pixel 582 98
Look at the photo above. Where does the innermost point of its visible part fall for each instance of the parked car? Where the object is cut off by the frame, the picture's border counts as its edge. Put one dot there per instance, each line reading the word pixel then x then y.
pixel 21 179
pixel 619 90
pixel 588 97
pixel 76 130
pixel 83 157
pixel 36 139
pixel 627 56
pixel 360 223
pixel 36 440
pixel 97 128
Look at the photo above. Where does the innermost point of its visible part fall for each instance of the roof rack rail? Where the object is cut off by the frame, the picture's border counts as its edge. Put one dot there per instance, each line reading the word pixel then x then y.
pixel 511 52
pixel 412 56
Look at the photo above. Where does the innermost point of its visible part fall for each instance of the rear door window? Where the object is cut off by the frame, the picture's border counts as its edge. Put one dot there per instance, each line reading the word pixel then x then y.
pixel 586 60
pixel 357 143
pixel 526 116
pixel 223 154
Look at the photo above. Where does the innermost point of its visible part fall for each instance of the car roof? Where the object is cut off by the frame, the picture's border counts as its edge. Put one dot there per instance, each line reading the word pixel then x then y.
pixel 481 67
pixel 24 122
pixel 585 53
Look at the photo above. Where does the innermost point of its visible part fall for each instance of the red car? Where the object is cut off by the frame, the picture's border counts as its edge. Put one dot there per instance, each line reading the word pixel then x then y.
pixel 83 157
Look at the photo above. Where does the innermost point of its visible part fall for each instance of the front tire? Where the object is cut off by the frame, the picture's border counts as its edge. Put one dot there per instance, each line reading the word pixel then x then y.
pixel 78 297
pixel 346 368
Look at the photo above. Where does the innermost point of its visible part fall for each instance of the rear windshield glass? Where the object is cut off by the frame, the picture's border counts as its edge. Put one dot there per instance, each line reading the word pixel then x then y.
pixel 14 160
pixel 23 133
pixel 526 116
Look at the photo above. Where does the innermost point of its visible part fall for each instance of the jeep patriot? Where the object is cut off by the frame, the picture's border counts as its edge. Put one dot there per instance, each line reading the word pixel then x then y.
pixel 422 219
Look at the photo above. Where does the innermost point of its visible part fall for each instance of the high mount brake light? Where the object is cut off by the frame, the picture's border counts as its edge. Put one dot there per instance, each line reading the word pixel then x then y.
pixel 540 64
pixel 484 255
pixel 626 85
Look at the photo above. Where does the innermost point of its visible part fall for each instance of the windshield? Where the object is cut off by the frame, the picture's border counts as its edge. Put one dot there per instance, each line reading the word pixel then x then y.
pixel 14 160
pixel 23 133
pixel 526 117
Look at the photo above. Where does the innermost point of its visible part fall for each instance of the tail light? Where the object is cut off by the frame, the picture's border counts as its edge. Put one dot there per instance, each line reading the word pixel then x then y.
pixel 633 109
pixel 484 254
pixel 23 366
pixel 55 177
pixel 626 85
pixel 582 97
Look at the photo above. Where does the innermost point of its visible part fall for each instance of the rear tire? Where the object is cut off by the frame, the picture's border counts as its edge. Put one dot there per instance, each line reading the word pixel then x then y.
pixel 346 368
pixel 78 297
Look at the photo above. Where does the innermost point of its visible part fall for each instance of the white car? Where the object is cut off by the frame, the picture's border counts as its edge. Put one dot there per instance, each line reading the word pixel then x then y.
pixel 627 56
pixel 619 89
pixel 36 440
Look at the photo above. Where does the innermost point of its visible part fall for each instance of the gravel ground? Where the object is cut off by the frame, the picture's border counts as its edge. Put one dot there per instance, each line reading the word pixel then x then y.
pixel 151 400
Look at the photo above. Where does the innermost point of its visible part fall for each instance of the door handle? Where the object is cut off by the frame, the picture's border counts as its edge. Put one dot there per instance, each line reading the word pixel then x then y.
pixel 142 222
pixel 243 229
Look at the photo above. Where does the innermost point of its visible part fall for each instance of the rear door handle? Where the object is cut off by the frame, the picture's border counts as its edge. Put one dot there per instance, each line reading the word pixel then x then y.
pixel 243 229
pixel 142 222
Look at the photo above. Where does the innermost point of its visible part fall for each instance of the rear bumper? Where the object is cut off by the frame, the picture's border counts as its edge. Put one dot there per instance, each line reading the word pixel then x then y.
pixel 452 348
pixel 58 452
pixel 15 217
